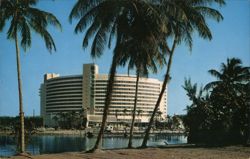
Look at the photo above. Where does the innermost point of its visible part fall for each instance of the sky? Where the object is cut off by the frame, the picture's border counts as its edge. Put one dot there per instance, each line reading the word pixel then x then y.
pixel 231 38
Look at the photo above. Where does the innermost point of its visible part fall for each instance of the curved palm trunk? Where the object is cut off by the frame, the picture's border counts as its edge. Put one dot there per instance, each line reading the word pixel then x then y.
pixel 21 114
pixel 165 82
pixel 134 110
pixel 107 103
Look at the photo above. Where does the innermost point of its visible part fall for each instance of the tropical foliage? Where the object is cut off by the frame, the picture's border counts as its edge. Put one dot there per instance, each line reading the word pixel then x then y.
pixel 181 19
pixel 30 122
pixel 141 27
pixel 219 114
pixel 70 120
pixel 11 125
pixel 23 17
pixel 143 59
pixel 133 23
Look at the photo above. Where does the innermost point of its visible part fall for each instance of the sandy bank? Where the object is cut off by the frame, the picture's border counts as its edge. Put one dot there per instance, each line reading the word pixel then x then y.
pixel 232 152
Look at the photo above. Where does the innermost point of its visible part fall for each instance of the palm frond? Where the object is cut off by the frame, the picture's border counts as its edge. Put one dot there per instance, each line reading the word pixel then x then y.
pixel 99 42
pixel 12 31
pixel 215 73
pixel 90 32
pixel 86 19
pixel 49 42
pixel 25 35
pixel 82 7
pixel 43 17
pixel 210 12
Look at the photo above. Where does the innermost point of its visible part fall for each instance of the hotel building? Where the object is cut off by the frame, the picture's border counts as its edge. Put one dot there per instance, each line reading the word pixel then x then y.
pixel 87 92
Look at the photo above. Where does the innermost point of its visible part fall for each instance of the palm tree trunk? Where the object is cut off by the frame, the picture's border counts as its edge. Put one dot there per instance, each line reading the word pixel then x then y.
pixel 165 82
pixel 107 103
pixel 21 114
pixel 134 111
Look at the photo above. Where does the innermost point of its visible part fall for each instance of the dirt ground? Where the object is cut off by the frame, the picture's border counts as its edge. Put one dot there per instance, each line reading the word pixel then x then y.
pixel 232 152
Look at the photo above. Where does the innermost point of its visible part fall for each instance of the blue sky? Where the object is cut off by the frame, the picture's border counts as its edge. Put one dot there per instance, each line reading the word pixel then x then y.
pixel 231 38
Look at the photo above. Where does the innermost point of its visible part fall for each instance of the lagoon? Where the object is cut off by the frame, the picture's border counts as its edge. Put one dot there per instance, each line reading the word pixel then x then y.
pixel 44 144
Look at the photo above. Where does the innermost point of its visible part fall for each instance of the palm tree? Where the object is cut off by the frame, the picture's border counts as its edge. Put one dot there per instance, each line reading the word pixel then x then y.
pixel 229 93
pixel 181 19
pixel 23 17
pixel 232 79
pixel 55 118
pixel 63 119
pixel 141 56
pixel 230 74
pixel 105 19
pixel 199 113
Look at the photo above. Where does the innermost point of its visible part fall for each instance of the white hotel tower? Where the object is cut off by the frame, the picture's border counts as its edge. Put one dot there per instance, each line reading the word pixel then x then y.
pixel 87 92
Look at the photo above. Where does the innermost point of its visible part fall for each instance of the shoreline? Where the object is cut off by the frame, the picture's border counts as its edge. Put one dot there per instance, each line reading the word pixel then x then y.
pixel 106 134
pixel 229 152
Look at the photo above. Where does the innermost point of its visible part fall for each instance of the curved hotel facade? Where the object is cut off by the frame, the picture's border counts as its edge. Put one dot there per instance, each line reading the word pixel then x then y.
pixel 87 92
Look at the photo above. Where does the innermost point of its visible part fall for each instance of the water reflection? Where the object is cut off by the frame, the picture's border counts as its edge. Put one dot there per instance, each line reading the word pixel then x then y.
pixel 56 144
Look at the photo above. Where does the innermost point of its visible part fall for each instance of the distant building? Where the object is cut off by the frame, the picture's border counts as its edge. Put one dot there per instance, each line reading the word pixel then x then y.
pixel 87 92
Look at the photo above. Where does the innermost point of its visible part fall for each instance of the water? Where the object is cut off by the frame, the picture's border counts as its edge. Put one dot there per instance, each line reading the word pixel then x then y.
pixel 56 144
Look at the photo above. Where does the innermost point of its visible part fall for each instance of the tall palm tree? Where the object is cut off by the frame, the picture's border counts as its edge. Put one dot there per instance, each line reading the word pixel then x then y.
pixel 181 19
pixel 23 17
pixel 105 19
pixel 144 58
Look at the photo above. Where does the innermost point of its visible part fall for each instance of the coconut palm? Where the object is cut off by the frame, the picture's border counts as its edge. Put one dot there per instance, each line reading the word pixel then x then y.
pixel 23 17
pixel 105 19
pixel 231 74
pixel 140 55
pixel 221 113
pixel 229 88
pixel 181 19
pixel 229 94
